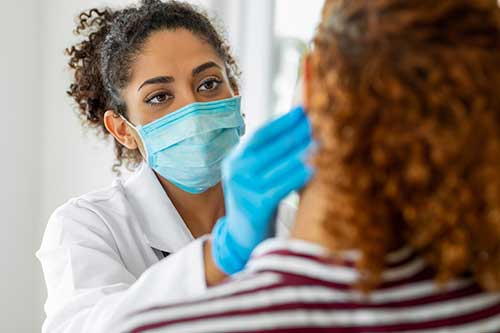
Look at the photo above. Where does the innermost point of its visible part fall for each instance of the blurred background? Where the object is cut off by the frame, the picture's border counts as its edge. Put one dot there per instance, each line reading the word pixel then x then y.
pixel 48 158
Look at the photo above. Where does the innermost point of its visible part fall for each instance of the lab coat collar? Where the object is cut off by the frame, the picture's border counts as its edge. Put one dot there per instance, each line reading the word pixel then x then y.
pixel 163 227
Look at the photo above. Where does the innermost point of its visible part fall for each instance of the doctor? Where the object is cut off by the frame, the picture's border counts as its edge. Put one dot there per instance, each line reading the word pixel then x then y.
pixel 160 79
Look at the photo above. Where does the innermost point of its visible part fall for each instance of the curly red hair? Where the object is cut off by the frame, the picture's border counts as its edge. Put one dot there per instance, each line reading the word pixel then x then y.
pixel 406 105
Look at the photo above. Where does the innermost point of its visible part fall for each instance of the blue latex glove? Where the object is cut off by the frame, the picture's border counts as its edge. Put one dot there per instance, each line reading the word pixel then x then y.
pixel 256 177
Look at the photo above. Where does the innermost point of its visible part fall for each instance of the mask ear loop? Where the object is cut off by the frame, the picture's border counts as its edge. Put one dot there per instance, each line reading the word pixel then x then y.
pixel 138 133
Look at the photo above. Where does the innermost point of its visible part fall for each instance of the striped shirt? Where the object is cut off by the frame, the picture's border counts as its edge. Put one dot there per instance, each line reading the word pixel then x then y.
pixel 291 286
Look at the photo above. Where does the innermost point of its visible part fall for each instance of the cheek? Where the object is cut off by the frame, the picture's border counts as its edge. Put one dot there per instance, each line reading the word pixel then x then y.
pixel 228 91
pixel 233 88
pixel 141 116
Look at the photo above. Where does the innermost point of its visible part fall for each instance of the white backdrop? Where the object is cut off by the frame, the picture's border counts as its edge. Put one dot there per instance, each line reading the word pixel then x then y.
pixel 19 176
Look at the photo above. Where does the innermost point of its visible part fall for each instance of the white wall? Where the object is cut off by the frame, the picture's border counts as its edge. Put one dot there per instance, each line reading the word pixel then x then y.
pixel 19 176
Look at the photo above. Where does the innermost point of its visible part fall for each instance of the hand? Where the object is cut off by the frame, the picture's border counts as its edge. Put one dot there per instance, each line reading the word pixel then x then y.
pixel 256 177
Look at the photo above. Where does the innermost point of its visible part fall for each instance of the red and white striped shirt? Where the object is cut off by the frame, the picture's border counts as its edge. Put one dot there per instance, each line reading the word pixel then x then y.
pixel 288 286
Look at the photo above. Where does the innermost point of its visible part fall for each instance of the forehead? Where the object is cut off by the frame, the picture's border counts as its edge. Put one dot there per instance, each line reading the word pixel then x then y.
pixel 172 52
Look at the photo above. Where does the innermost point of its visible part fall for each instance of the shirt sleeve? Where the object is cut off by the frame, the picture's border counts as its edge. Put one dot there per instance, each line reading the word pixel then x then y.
pixel 88 284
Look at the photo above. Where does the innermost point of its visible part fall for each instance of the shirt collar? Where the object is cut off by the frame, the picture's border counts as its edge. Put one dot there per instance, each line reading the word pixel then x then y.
pixel 310 259
pixel 298 247
pixel 289 246
pixel 162 225
pixel 301 258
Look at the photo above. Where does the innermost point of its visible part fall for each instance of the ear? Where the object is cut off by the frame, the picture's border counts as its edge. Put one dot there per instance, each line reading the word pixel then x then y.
pixel 120 130
pixel 306 81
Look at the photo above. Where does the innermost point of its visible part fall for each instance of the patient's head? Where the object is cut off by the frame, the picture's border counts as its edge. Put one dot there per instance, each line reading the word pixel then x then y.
pixel 404 96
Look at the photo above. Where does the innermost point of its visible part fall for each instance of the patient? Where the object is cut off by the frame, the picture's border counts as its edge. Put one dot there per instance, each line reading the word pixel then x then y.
pixel 399 231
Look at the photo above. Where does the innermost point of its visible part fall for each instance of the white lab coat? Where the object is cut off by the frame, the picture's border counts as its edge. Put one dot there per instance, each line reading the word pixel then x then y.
pixel 98 259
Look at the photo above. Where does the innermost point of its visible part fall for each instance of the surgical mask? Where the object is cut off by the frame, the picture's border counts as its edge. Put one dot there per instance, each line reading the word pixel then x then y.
pixel 187 147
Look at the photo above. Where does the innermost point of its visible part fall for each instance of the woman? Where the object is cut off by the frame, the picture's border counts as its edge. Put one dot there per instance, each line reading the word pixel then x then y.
pixel 160 79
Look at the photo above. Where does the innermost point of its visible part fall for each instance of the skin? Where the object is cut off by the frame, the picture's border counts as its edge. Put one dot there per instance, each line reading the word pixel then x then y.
pixel 311 209
pixel 308 224
pixel 165 79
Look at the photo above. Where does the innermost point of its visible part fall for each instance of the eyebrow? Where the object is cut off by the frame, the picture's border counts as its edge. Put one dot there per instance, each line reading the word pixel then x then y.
pixel 170 79
pixel 157 79
pixel 204 67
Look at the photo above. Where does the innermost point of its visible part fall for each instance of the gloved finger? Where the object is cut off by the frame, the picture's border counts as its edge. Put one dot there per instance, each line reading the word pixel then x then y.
pixel 276 169
pixel 275 128
pixel 286 166
pixel 293 181
pixel 282 147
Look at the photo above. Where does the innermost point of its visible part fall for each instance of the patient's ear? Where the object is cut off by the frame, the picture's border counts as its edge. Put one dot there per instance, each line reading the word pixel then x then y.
pixel 306 81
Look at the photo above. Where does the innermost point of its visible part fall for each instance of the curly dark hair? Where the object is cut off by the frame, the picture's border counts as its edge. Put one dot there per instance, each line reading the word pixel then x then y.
pixel 101 62
pixel 405 102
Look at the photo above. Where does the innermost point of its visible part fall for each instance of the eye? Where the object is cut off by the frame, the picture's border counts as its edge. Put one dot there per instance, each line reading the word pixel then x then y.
pixel 159 98
pixel 210 84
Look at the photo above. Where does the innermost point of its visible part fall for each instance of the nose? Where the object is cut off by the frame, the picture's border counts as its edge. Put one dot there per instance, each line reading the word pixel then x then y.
pixel 185 96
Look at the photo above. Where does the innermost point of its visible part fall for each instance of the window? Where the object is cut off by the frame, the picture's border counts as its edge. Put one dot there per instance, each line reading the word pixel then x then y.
pixel 295 22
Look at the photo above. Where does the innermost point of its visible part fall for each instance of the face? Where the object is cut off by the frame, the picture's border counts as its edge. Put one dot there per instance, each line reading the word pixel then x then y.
pixel 174 69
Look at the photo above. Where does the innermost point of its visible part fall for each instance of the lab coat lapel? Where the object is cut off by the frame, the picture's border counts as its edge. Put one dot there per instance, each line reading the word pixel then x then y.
pixel 163 227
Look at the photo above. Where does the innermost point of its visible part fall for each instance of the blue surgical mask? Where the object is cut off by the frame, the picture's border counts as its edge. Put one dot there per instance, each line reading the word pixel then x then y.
pixel 187 147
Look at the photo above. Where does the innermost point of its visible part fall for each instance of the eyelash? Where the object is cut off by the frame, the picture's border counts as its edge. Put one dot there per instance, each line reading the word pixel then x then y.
pixel 169 96
pixel 211 79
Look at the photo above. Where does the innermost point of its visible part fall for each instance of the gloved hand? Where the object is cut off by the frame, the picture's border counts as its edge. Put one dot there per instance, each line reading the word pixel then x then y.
pixel 256 177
